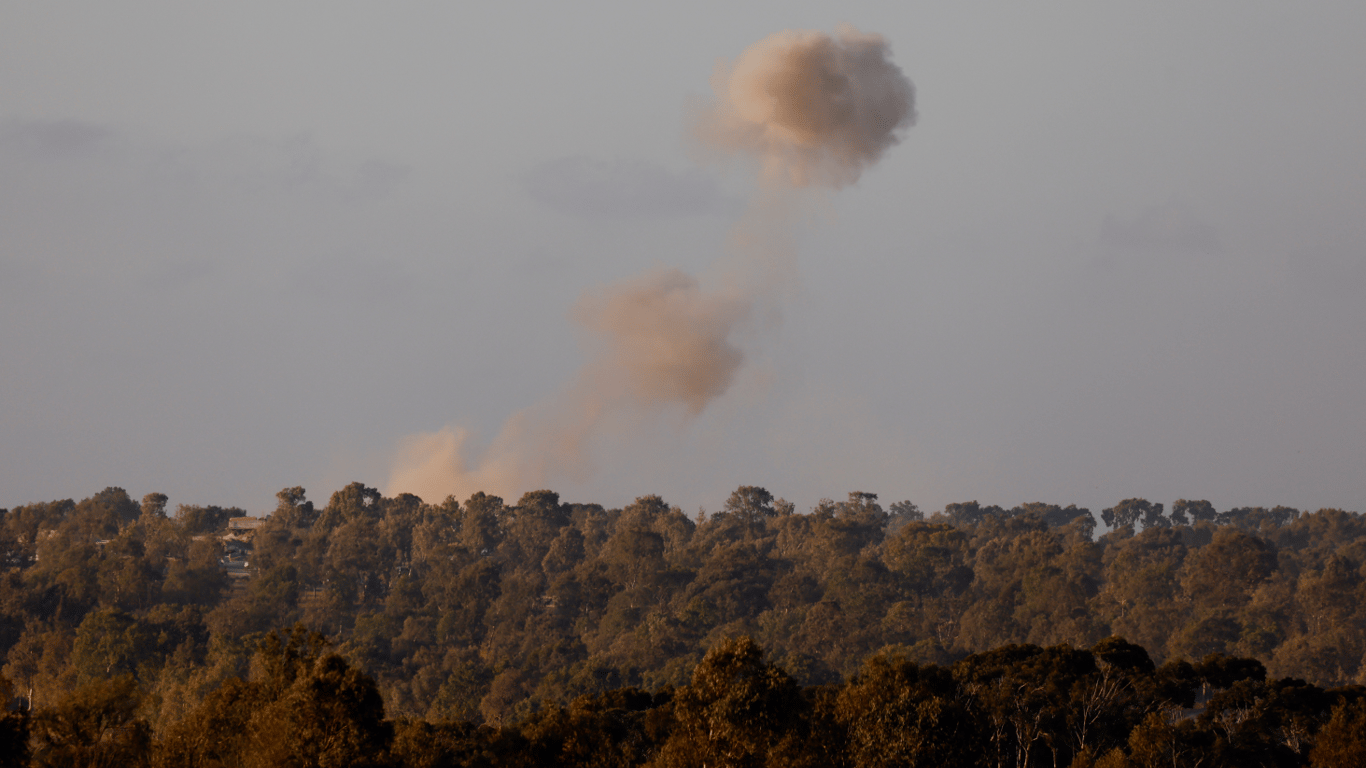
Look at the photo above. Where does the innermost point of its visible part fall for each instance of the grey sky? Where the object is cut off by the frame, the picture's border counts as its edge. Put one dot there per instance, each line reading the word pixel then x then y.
pixel 1122 253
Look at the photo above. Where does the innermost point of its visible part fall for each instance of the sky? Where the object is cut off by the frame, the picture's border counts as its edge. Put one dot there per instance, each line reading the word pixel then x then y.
pixel 252 246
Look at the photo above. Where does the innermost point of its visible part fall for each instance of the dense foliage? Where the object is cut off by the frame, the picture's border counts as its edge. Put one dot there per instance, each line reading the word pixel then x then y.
pixel 1020 705
pixel 479 622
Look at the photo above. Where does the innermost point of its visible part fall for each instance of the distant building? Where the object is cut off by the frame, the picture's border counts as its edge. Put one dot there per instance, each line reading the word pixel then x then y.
pixel 237 545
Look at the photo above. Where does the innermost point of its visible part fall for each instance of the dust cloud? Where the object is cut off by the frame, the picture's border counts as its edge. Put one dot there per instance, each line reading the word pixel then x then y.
pixel 815 110
pixel 666 337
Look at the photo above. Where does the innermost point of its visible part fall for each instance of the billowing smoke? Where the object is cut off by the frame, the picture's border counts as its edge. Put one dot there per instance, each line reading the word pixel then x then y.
pixel 661 341
pixel 665 338
pixel 815 109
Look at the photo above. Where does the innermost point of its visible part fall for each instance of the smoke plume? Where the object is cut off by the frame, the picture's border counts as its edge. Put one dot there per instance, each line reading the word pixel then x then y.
pixel 659 340
pixel 665 338
pixel 816 110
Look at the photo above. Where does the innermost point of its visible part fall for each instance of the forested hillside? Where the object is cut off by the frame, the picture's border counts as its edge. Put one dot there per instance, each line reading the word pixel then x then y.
pixel 484 612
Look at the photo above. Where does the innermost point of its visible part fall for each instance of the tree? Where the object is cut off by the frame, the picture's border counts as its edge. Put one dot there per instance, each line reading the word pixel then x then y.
pixel 736 711
pixel 1023 694
pixel 898 713
pixel 858 522
pixel 968 512
pixel 196 578
pixel 215 733
pixel 734 582
pixel 1105 704
pixel 1341 743
pixel 198 520
pixel 1141 597
pixel 153 506
pixel 752 505
pixel 330 715
pixel 94 725
pixel 304 708
pixel 480 531
pixel 1129 512
pixel 1222 575
pixel 1258 519
pixel 102 515
pixel 565 552
pixel 606 731
pixel 930 558
pixel 359 558
pixel 1184 511
pixel 901 512
pixel 1258 722
pixel 354 502
pixel 1163 739
pixel 634 557
pixel 531 527
pixel 293 510
pixel 1053 515
pixel 110 643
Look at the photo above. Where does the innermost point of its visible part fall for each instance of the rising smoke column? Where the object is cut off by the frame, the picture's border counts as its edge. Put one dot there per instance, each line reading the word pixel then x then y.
pixel 664 338
pixel 815 109
pixel 661 341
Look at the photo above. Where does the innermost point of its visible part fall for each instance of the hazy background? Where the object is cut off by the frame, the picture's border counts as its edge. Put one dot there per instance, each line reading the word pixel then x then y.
pixel 1123 252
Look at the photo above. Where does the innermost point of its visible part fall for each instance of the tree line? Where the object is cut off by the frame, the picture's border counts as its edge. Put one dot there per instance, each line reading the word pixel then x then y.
pixel 486 613
pixel 1108 706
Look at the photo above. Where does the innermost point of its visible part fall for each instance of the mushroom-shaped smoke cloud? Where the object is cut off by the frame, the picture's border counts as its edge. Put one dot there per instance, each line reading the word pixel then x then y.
pixel 817 109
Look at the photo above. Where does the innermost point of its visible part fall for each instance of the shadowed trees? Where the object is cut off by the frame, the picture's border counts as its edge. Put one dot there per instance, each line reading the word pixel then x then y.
pixel 1342 741
pixel 1131 512
pixel 14 730
pixel 303 707
pixel 897 713
pixel 95 724
pixel 738 710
